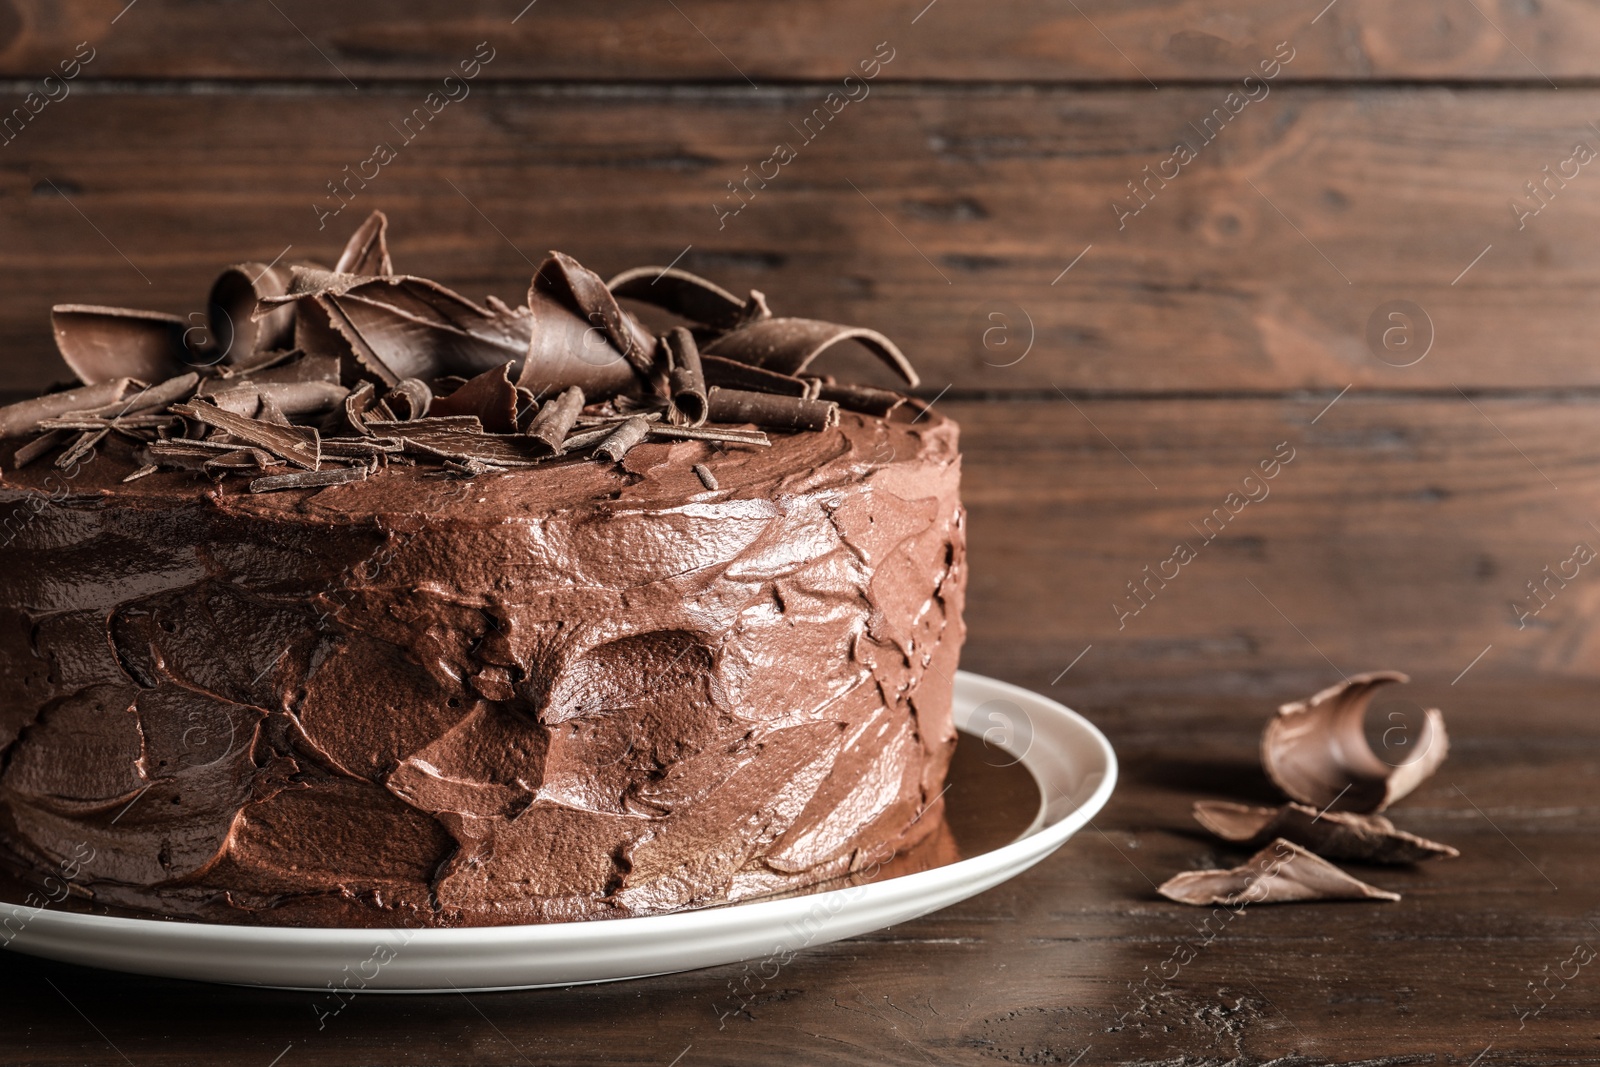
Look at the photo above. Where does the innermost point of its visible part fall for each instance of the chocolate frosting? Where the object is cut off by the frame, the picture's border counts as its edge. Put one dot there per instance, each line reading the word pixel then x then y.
pixel 567 691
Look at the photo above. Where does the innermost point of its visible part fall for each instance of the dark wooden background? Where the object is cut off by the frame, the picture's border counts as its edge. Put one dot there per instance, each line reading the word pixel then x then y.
pixel 1106 408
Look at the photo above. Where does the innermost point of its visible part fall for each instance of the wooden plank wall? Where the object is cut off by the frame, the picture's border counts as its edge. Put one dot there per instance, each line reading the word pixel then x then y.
pixel 1126 330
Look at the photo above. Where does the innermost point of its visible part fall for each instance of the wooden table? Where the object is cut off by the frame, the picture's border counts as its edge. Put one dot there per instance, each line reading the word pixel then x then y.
pixel 1121 359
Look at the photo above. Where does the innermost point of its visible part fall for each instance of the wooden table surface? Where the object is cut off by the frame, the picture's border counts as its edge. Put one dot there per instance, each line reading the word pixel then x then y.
pixel 1123 337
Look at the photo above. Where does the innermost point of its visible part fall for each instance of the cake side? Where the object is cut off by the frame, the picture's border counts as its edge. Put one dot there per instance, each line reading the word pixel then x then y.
pixel 565 692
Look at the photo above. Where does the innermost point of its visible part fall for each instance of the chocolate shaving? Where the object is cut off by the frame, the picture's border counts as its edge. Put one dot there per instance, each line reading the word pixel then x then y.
pixel 161 395
pixel 567 281
pixel 355 406
pixel 767 409
pixel 367 251
pixel 362 448
pixel 23 416
pixel 711 433
pixel 82 447
pixel 860 398
pixel 298 445
pixel 105 343
pixel 505 450
pixel 789 345
pixel 402 427
pixel 37 447
pixel 686 295
pixel 733 375
pixel 235 333
pixel 707 479
pixel 405 327
pixel 490 396
pixel 685 379
pixel 1281 873
pixel 1335 834
pixel 308 479
pixel 617 443
pixel 414 397
pixel 1315 750
pixel 243 459
pixel 143 472
pixel 555 420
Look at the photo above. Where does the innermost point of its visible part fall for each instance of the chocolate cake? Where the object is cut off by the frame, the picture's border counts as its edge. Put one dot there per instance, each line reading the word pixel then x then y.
pixel 365 604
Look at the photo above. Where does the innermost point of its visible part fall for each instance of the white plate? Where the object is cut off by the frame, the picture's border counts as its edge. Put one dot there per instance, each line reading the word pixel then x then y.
pixel 1070 760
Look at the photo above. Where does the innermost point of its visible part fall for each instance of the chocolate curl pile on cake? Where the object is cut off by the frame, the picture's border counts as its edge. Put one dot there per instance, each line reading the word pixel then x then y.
pixel 303 377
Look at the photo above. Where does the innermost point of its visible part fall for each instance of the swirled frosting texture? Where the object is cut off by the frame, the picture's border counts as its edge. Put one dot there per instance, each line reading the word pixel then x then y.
pixel 569 692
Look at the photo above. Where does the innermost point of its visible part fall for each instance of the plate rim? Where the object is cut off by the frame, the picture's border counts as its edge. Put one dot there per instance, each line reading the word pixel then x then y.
pixel 1018 855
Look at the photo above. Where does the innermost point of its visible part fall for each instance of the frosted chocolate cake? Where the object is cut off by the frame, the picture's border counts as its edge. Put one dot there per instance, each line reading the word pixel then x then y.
pixel 369 605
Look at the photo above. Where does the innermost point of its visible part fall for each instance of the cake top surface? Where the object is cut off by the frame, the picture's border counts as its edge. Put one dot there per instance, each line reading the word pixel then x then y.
pixel 304 380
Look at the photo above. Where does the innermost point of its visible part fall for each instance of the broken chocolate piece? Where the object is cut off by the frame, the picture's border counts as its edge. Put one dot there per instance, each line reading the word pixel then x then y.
pixel 556 419
pixel 616 444
pixel 1315 750
pixel 685 380
pixel 1336 835
pixel 769 409
pixel 367 251
pixel 686 295
pixel 707 479
pixel 789 345
pixel 21 417
pixel 299 445
pixel 103 343
pixel 490 396
pixel 731 375
pixel 308 479
pixel 1281 873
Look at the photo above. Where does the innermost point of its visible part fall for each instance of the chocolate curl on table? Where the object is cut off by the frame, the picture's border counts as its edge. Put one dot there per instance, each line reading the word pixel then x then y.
pixel 568 282
pixel 298 445
pixel 617 444
pixel 411 399
pixel 103 343
pixel 1281 873
pixel 25 415
pixel 768 409
pixel 685 380
pixel 367 251
pixel 788 346
pixel 490 396
pixel 688 296
pixel 1315 750
pixel 556 419
pixel 403 327
pixel 1336 835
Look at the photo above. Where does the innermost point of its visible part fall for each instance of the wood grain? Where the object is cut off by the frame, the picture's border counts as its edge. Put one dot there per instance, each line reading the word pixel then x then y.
pixel 944 218
pixel 721 40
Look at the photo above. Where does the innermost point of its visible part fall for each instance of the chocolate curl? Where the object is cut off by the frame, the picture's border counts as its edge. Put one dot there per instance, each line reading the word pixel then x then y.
pixel 157 397
pixel 37 447
pixel 236 334
pixel 768 409
pixel 290 398
pixel 404 327
pixel 298 445
pixel 103 343
pixel 789 345
pixel 308 479
pixel 707 479
pixel 685 379
pixel 564 350
pixel 490 396
pixel 619 441
pixel 860 398
pixel 1336 835
pixel 356 405
pixel 22 417
pixel 731 375
pixel 568 281
pixel 686 295
pixel 367 251
pixel 1282 873
pixel 1315 750
pixel 555 420
pixel 414 396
